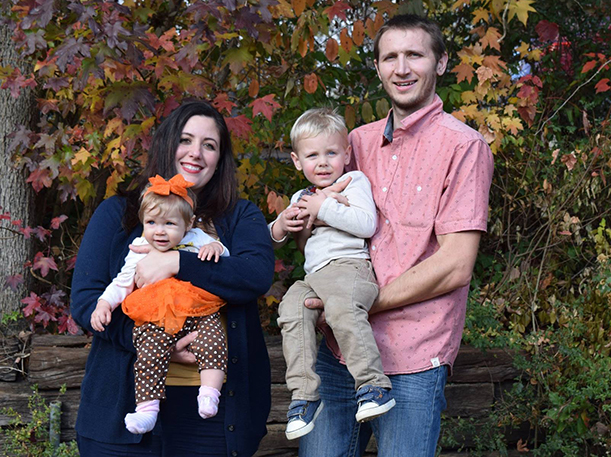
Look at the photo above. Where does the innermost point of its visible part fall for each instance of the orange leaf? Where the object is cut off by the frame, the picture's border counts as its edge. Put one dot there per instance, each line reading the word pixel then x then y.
pixel 369 27
pixel 350 117
pixel 602 85
pixel 303 47
pixel 378 23
pixel 298 6
pixel 463 71
pixel 280 204
pixel 271 201
pixel 332 49
pixel 491 39
pixel 358 33
pixel 310 83
pixel 345 40
pixel 253 89
pixel 310 3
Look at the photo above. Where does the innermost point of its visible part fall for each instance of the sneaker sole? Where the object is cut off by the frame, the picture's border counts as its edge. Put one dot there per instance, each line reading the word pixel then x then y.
pixel 307 429
pixel 372 413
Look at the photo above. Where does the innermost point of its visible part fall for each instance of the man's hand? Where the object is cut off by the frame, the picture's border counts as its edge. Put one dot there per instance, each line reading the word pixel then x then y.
pixel 101 316
pixel 211 251
pixel 316 303
pixel 180 353
pixel 333 191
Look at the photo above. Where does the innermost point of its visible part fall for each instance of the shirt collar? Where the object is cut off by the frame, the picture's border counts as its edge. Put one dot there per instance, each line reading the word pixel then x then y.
pixel 423 114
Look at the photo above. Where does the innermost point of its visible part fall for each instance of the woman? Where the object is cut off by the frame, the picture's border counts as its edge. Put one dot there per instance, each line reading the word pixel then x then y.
pixel 193 141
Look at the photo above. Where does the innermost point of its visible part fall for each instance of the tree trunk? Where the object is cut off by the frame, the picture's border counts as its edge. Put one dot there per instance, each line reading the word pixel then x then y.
pixel 16 195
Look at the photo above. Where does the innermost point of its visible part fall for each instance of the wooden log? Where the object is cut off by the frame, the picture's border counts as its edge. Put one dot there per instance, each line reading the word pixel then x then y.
pixel 57 359
pixel 10 349
pixel 16 395
pixel 475 365
pixel 469 400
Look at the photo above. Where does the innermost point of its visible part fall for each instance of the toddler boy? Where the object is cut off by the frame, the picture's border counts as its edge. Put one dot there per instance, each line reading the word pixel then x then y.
pixel 338 271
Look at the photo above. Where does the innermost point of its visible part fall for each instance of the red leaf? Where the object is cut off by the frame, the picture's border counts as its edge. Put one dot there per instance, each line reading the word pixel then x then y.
pixel 337 10
pixel 56 221
pixel 264 105
pixel 44 316
pixel 279 266
pixel 14 281
pixel 26 232
pixel 239 126
pixel 33 304
pixel 222 102
pixel 39 178
pixel 67 325
pixel 588 66
pixel 70 263
pixel 547 31
pixel 602 85
pixel 44 264
pixel 41 233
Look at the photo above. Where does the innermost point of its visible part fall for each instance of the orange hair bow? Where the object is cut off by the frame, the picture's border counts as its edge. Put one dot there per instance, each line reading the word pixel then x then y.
pixel 176 185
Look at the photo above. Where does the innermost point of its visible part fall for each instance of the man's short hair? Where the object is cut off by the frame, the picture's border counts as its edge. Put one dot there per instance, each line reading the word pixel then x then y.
pixel 408 22
pixel 317 121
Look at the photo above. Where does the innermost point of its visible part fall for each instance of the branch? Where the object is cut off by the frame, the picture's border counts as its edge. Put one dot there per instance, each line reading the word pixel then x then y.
pixel 572 95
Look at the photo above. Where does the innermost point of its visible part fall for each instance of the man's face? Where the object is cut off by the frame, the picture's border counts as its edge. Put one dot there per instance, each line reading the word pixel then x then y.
pixel 408 69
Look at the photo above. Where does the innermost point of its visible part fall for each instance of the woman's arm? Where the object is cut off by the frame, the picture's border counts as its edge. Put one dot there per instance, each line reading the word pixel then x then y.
pixel 102 245
pixel 240 278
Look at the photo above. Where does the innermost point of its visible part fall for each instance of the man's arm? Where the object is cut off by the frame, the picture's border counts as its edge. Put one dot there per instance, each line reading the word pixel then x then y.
pixel 446 270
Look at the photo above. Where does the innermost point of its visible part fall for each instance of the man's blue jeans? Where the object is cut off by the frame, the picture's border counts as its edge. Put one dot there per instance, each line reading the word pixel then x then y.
pixel 410 429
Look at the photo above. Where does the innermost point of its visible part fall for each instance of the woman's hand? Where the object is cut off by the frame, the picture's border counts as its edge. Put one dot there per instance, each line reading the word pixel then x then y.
pixel 156 266
pixel 180 353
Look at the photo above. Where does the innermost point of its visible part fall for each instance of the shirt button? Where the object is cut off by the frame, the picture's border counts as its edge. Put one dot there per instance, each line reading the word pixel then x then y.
pixel 231 428
pixel 234 360
pixel 418 188
pixel 394 157
pixel 387 221
pixel 234 324
pixel 373 248
pixel 384 189
pixel 234 453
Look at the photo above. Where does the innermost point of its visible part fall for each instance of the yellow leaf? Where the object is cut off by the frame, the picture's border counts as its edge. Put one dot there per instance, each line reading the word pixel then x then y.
pixel 512 125
pixel 111 184
pixel 509 110
pixel 468 96
pixel 493 121
pixel 282 9
pixel 148 124
pixel 535 54
pixel 367 112
pixel 113 125
pixel 82 156
pixel 523 49
pixel 521 8
pixel 480 14
pixel 459 3
pixel 350 116
pixel 382 108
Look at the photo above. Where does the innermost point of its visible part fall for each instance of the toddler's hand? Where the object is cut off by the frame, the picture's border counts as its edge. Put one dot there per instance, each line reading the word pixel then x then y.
pixel 287 222
pixel 310 206
pixel 210 251
pixel 101 316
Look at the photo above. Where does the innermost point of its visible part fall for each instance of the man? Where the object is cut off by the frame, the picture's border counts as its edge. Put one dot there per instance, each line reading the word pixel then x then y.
pixel 430 176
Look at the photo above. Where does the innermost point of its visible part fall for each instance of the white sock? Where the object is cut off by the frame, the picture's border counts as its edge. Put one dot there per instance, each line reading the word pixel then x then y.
pixel 208 401
pixel 144 419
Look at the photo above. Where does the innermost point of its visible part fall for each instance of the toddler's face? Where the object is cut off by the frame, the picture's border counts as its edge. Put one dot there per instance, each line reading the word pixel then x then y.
pixel 322 158
pixel 164 231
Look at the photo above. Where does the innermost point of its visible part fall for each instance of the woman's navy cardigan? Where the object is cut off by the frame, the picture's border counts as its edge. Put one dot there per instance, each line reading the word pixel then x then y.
pixel 107 392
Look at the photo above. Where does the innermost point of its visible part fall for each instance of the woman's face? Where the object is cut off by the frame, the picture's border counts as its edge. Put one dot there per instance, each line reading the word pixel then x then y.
pixel 198 151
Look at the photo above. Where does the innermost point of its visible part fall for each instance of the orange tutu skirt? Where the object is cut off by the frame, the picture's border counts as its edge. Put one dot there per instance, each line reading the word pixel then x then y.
pixel 168 303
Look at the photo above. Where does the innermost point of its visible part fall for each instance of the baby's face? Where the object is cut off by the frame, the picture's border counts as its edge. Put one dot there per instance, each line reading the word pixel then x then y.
pixel 322 158
pixel 164 231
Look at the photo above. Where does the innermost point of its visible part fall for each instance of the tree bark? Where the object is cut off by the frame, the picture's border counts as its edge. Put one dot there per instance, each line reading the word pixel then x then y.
pixel 16 195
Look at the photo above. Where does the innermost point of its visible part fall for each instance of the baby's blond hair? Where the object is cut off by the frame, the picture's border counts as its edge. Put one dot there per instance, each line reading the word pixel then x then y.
pixel 317 121
pixel 163 204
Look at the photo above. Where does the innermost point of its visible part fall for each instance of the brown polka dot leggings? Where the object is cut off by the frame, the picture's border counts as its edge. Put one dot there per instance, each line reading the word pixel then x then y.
pixel 153 347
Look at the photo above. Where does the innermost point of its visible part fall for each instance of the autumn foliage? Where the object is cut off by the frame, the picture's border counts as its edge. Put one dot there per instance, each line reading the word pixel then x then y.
pixel 533 77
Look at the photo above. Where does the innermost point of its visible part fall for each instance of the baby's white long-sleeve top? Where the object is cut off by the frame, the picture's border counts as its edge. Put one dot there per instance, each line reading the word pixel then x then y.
pixel 348 227
pixel 123 284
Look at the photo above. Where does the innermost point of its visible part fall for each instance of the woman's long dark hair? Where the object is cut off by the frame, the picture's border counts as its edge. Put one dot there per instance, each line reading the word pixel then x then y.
pixel 219 195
